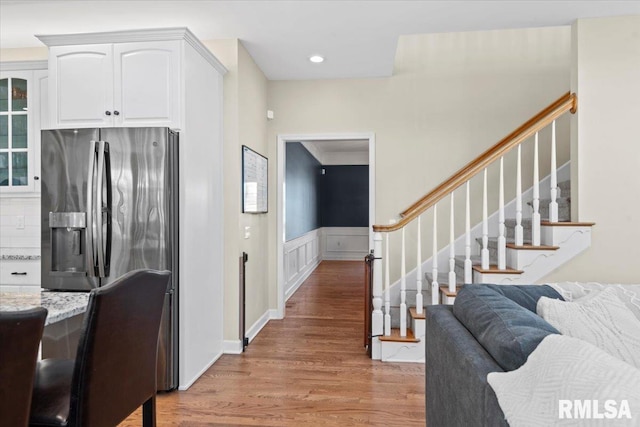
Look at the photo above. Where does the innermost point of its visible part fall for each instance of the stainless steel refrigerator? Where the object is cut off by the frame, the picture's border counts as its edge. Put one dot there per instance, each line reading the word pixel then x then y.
pixel 109 206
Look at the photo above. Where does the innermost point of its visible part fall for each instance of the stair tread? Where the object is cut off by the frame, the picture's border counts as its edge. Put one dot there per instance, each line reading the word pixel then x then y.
pixel 493 241
pixel 493 269
pixel 567 224
pixel 445 290
pixel 395 336
pixel 529 247
pixel 415 315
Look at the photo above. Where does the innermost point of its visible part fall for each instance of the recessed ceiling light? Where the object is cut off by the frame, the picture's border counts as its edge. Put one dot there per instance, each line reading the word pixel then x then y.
pixel 316 59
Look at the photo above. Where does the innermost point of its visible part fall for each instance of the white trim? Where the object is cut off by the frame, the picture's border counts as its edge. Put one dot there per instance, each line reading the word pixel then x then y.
pixel 282 139
pixel 232 347
pixel 476 231
pixel 346 235
pixel 297 253
pixel 23 65
pixel 185 386
pixel 255 329
pixel 129 36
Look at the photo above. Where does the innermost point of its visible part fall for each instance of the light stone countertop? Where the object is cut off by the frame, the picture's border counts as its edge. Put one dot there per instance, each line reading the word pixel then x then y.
pixel 61 305
pixel 19 257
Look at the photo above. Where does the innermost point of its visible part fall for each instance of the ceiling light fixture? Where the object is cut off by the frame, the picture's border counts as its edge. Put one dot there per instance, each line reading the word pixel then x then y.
pixel 316 59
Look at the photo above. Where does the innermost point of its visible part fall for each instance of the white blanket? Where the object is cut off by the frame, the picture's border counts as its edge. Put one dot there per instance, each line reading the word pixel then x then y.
pixel 569 382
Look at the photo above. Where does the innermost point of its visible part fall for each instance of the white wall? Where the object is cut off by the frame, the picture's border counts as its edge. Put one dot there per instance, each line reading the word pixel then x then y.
pixel 450 98
pixel 245 123
pixel 604 148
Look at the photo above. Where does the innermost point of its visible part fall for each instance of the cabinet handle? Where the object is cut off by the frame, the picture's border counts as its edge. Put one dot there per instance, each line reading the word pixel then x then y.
pixel 116 113
pixel 21 273
pixel 108 113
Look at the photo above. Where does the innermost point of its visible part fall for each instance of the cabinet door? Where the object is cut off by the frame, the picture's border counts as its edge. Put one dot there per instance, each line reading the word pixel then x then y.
pixel 81 86
pixel 18 124
pixel 147 84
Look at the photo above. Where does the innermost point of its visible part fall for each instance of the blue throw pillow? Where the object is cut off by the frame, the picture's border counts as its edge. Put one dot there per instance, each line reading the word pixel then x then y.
pixel 507 330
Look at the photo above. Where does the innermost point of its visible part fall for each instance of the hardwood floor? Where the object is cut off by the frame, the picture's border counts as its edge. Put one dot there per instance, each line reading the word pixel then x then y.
pixel 305 370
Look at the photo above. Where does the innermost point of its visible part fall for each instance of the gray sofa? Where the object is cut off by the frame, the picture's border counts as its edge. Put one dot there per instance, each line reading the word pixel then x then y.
pixel 490 328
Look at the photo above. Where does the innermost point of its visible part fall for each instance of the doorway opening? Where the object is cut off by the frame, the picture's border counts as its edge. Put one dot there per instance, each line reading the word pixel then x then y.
pixel 325 204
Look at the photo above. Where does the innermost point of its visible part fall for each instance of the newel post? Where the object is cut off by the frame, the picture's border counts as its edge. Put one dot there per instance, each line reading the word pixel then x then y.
pixel 377 316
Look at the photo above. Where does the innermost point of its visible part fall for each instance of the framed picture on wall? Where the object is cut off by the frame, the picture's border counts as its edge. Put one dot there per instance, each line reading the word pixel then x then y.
pixel 254 181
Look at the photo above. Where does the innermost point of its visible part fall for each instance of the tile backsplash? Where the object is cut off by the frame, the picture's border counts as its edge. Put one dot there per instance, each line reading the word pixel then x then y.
pixel 19 225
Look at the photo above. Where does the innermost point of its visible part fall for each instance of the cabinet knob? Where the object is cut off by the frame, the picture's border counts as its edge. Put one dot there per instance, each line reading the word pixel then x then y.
pixel 108 113
pixel 35 178
pixel 116 113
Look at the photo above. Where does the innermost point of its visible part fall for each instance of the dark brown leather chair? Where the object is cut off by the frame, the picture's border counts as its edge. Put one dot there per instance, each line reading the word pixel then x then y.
pixel 20 335
pixel 115 367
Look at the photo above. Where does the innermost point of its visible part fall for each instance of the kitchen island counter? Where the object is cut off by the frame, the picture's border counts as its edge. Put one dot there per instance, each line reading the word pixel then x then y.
pixel 61 305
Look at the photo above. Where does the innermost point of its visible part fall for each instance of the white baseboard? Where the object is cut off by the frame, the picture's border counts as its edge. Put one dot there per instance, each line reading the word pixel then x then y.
pixel 186 386
pixel 292 288
pixel 232 347
pixel 258 325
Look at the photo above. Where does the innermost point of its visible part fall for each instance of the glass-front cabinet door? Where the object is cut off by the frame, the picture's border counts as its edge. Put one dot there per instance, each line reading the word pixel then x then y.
pixel 17 171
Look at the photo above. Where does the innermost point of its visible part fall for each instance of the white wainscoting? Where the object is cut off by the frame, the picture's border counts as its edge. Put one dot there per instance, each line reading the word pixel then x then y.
pixel 345 243
pixel 301 256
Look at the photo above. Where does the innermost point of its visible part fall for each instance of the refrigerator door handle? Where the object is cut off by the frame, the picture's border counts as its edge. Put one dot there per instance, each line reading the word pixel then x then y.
pixel 98 210
pixel 90 219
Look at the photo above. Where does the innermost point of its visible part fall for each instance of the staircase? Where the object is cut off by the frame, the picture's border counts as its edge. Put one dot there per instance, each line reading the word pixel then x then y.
pixel 537 239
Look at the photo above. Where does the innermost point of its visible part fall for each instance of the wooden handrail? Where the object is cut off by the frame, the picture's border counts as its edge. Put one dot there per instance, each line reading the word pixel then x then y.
pixel 567 102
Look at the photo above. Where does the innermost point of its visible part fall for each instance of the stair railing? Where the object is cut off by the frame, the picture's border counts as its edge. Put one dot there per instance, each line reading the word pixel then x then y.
pixel 381 322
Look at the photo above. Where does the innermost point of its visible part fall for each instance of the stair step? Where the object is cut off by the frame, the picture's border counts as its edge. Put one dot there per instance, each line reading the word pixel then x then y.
pixel 475 259
pixel 567 224
pixel 415 315
pixel 493 242
pixel 443 278
pixel 533 248
pixel 493 269
pixel 395 336
pixel 565 188
pixel 446 292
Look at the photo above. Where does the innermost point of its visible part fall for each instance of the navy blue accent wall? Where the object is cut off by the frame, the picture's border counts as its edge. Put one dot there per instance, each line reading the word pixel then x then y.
pixel 344 199
pixel 302 191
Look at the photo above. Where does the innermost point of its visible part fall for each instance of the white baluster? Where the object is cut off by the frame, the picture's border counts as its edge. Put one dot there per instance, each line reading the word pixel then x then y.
pixel 467 240
pixel 553 206
pixel 535 217
pixel 435 291
pixel 403 290
pixel 519 231
pixel 502 241
pixel 387 296
pixel 376 316
pixel 452 249
pixel 485 226
pixel 419 302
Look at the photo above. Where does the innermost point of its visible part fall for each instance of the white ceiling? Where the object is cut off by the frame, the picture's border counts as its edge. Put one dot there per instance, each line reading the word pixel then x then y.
pixel 358 38
pixel 339 151
pixel 340 146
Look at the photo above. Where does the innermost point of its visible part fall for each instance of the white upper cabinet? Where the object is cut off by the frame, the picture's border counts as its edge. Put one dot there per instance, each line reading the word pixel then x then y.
pixel 115 85
pixel 81 86
pixel 147 84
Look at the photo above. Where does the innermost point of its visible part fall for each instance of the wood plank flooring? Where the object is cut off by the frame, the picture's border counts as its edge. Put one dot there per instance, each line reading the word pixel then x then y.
pixel 309 369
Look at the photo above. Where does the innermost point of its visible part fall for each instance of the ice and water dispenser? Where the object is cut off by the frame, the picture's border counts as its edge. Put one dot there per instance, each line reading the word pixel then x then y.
pixel 68 237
